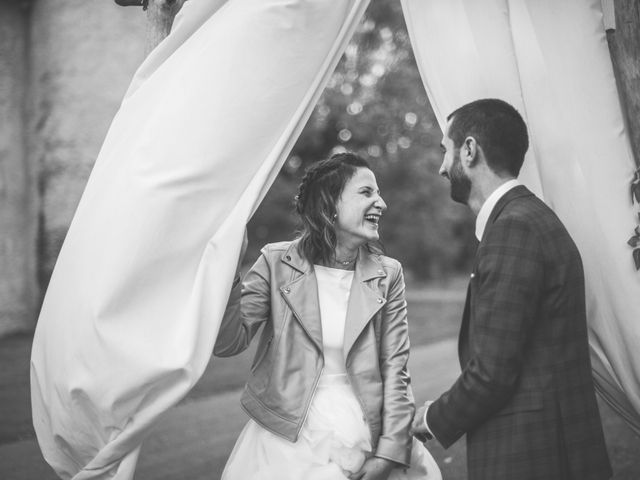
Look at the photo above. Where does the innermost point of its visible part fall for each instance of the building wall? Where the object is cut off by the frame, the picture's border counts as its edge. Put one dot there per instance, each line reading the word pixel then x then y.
pixel 64 67
pixel 82 57
pixel 17 206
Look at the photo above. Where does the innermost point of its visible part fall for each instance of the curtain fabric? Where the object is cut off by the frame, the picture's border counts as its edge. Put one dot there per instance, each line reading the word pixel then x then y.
pixel 551 61
pixel 133 307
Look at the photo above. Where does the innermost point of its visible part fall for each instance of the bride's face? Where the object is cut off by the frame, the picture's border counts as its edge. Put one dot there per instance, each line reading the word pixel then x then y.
pixel 359 209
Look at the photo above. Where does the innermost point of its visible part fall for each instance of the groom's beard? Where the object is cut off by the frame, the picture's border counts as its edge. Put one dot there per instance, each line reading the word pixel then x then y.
pixel 460 182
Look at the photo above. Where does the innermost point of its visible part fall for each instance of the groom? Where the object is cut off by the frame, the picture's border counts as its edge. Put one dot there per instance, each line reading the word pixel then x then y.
pixel 525 398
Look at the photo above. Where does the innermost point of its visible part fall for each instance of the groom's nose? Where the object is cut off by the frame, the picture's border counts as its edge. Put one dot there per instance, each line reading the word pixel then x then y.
pixel 443 171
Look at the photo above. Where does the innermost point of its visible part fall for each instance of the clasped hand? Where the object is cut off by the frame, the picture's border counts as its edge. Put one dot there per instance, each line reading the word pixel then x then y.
pixel 418 426
pixel 374 468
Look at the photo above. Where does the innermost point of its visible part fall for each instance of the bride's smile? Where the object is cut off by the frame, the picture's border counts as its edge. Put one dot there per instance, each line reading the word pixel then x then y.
pixel 358 211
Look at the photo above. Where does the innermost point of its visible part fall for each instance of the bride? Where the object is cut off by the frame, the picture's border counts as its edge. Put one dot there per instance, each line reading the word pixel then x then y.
pixel 328 394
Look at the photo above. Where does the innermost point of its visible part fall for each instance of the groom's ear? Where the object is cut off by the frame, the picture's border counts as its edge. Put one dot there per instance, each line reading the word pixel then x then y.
pixel 469 151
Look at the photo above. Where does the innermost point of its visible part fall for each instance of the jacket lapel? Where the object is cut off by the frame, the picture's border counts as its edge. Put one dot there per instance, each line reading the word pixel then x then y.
pixel 301 294
pixel 463 338
pixel 364 302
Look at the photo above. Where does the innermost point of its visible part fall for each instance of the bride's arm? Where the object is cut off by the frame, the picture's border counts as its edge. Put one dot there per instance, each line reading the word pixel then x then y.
pixel 398 407
pixel 248 308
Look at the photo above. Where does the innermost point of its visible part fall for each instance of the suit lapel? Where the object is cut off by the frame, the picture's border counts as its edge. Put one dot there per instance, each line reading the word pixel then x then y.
pixel 364 302
pixel 463 338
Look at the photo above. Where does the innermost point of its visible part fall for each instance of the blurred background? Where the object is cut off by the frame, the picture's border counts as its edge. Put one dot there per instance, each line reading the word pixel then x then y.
pixel 375 104
pixel 64 68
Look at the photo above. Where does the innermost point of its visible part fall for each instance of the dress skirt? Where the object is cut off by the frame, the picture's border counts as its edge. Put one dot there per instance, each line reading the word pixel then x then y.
pixel 334 442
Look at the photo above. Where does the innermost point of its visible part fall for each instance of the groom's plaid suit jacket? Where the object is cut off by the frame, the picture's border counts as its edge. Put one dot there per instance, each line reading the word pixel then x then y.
pixel 525 397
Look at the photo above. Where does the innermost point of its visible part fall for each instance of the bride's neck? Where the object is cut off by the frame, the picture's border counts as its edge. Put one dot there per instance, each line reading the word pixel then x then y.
pixel 343 258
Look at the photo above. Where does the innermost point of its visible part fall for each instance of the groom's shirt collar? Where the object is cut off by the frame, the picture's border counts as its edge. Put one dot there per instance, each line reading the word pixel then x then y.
pixel 490 203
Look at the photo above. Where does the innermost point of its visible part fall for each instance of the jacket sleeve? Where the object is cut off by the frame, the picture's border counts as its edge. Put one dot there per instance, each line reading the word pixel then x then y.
pixel 247 309
pixel 506 299
pixel 398 406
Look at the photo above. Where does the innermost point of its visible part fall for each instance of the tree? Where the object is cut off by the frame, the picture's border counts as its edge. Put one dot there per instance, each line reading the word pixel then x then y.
pixel 375 105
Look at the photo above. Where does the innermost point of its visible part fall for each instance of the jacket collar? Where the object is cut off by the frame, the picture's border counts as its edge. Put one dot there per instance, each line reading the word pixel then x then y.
pixel 516 192
pixel 301 293
pixel 490 202
pixel 368 265
pixel 294 259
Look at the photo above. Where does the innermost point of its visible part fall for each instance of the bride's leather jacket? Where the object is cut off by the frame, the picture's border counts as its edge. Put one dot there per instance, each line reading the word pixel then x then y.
pixel 280 293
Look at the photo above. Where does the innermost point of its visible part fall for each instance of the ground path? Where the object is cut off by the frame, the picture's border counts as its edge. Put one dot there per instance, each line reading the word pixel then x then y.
pixel 195 438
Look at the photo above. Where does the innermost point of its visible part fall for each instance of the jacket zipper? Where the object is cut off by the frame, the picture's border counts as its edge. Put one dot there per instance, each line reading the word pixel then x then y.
pixel 364 414
pixel 308 405
pixel 364 411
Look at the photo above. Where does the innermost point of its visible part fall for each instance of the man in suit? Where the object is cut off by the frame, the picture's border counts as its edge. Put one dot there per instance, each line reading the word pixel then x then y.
pixel 525 398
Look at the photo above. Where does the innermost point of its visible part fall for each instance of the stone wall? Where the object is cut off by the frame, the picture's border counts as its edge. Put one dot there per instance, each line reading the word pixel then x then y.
pixel 64 67
pixel 18 287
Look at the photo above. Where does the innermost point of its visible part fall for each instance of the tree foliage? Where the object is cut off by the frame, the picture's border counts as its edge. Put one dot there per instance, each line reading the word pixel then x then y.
pixel 375 104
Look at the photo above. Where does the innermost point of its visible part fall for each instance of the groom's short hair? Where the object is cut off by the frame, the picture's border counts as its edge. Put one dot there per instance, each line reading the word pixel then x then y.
pixel 498 129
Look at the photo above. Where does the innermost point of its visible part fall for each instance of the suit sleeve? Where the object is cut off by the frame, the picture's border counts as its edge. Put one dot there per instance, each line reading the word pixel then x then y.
pixel 247 309
pixel 508 288
pixel 398 407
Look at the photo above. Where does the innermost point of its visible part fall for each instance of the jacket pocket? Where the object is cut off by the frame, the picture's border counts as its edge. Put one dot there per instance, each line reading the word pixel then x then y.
pixel 263 348
pixel 523 402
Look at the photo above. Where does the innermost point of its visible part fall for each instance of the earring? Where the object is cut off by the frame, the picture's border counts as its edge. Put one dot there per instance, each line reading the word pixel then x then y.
pixel 335 215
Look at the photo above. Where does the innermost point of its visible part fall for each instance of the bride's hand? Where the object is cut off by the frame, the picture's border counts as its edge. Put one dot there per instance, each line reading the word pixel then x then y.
pixel 243 249
pixel 374 468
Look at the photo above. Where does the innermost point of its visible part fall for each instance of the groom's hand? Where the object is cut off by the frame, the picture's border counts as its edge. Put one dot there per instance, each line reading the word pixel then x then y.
pixel 374 468
pixel 419 427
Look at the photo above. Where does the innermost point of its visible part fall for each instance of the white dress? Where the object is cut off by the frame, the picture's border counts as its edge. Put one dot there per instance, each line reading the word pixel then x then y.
pixel 335 439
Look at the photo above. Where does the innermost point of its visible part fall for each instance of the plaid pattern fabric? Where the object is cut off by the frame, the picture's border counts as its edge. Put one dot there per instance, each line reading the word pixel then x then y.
pixel 525 397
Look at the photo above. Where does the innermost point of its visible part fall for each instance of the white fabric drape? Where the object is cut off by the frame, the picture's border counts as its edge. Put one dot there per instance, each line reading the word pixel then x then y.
pixel 550 59
pixel 133 308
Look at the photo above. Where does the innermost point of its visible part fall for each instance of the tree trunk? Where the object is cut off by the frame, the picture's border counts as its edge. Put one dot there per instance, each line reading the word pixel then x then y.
pixel 160 15
pixel 624 45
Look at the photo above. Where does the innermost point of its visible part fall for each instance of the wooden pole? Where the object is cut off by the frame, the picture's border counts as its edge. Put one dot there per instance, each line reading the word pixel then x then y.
pixel 624 45
pixel 160 15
